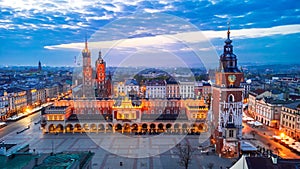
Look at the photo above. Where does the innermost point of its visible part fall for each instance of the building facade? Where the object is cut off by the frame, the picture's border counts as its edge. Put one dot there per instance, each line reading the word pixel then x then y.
pixel 267 111
pixel 187 90
pixel 290 120
pixel 172 88
pixel 155 89
pixel 4 106
pixel 126 116
pixel 253 97
pixel 203 89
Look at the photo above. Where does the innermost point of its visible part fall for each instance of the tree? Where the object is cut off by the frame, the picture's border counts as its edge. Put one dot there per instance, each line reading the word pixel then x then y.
pixel 184 152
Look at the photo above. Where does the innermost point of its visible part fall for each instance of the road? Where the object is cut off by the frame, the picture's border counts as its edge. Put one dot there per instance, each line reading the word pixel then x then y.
pixel 264 136
pixel 20 124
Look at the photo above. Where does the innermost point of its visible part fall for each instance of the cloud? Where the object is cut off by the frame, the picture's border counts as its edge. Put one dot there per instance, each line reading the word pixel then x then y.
pixel 186 37
pixel 105 17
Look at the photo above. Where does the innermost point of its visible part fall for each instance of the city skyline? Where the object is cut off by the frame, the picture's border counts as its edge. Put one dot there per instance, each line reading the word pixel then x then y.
pixel 52 31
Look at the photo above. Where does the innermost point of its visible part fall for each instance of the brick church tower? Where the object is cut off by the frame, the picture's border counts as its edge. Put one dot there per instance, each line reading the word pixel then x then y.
pixel 100 66
pixel 227 103
pixel 87 83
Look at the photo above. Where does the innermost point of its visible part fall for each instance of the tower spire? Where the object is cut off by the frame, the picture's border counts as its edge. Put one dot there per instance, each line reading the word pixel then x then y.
pixel 228 31
pixel 86 43
pixel 100 54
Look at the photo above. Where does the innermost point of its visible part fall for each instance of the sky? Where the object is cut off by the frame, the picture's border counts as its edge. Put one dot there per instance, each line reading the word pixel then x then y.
pixel 143 33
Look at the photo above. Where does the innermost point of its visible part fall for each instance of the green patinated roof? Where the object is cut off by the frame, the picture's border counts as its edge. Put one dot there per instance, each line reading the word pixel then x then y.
pixel 64 160
pixel 56 161
pixel 17 162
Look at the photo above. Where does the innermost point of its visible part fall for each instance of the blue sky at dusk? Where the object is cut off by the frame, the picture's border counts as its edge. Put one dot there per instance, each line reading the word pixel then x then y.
pixel 263 32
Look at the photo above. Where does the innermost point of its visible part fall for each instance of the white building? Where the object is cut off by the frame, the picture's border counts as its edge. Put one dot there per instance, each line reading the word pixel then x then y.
pixel 131 87
pixel 254 96
pixel 290 120
pixel 267 111
pixel 3 106
pixel 156 89
pixel 17 99
pixel 187 90
pixel 119 89
pixel 41 95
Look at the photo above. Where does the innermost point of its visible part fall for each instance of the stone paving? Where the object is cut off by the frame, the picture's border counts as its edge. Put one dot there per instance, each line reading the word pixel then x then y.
pixel 134 152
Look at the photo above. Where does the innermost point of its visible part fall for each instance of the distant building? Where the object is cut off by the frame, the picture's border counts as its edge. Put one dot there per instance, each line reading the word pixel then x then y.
pixel 203 89
pixel 155 89
pixel 40 66
pixel 17 100
pixel 41 95
pixel 172 88
pixel 4 106
pixel 131 88
pixel 119 89
pixel 187 89
pixel 290 120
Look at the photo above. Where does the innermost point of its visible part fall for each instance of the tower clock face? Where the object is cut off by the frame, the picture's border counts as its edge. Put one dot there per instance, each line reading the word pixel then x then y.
pixel 231 78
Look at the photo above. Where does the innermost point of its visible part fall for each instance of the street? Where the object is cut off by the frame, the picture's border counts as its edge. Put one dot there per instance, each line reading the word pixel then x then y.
pixel 263 136
pixel 111 149
pixel 18 125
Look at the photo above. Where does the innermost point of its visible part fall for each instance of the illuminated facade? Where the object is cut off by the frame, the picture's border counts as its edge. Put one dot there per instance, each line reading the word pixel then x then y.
pixel 126 115
pixel 97 111
pixel 290 120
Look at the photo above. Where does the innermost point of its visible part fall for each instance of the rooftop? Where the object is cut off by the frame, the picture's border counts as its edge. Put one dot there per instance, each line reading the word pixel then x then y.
pixel 266 163
pixel 65 160
pixel 293 105
pixel 16 162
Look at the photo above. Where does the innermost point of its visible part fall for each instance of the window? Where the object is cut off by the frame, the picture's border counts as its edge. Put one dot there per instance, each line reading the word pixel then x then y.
pixel 230 118
pixel 230 98
pixel 230 133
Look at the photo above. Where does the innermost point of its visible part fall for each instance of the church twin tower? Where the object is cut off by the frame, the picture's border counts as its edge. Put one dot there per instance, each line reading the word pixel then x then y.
pixel 100 86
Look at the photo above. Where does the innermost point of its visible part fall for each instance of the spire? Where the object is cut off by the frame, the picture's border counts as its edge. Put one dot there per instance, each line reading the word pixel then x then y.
pixel 100 54
pixel 228 58
pixel 86 43
pixel 228 41
pixel 85 51
pixel 228 32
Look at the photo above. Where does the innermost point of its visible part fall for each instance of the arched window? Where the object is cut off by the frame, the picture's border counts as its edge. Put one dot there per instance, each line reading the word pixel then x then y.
pixel 230 119
pixel 231 98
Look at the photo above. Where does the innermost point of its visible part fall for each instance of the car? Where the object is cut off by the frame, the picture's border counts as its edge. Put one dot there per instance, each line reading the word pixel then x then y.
pixel 204 150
